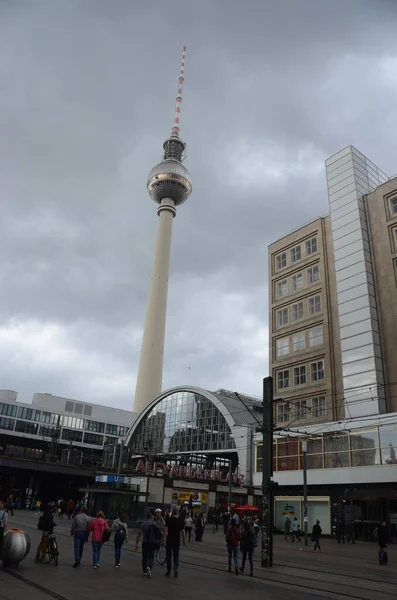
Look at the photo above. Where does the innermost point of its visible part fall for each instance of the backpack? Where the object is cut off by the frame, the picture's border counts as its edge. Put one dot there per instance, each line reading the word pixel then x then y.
pixel 106 535
pixel 121 533
pixel 232 537
pixel 154 535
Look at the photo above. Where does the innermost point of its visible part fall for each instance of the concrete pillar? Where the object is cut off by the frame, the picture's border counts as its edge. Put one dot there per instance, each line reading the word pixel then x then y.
pixel 150 372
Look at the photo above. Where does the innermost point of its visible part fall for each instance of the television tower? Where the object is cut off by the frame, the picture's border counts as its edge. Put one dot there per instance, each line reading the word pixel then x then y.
pixel 169 184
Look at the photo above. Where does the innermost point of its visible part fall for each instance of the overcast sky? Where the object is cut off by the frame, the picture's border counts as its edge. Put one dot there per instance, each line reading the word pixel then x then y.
pixel 87 91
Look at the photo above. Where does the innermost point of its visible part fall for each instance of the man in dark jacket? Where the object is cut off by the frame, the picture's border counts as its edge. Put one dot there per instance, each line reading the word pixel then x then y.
pixel 382 541
pixel 45 525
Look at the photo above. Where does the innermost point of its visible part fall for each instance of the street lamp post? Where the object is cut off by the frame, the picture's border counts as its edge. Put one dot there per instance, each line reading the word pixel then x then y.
pixel 267 472
pixel 304 465
pixel 229 499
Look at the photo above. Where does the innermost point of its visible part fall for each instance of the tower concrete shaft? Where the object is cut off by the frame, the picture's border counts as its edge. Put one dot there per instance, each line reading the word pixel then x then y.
pixel 150 373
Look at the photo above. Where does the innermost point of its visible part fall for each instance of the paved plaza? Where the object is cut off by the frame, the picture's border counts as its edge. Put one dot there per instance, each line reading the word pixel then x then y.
pixel 340 572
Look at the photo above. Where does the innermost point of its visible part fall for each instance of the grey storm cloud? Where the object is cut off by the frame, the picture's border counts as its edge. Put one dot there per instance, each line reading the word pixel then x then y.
pixel 87 93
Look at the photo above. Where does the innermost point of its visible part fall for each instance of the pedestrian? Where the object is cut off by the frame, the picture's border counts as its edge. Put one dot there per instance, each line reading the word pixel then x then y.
pixel 296 530
pixel 46 526
pixel 199 527
pixel 174 530
pixel 257 526
pixel 383 539
pixel 236 518
pixel 38 506
pixel 316 534
pixel 340 532
pixel 217 520
pixel 247 545
pixel 188 526
pixel 119 526
pixel 80 530
pixel 226 519
pixel 10 505
pixel 3 525
pixel 351 533
pixel 70 507
pixel 159 521
pixel 232 541
pixel 287 529
pixel 151 539
pixel 99 528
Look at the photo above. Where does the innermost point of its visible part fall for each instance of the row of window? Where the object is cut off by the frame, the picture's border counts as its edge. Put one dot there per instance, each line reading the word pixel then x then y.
pixel 31 414
pixel 296 311
pixel 300 375
pixel 297 282
pixel 296 253
pixel 302 409
pixel 309 338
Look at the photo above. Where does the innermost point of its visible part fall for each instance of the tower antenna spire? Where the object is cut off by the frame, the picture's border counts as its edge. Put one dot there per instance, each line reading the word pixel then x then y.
pixel 181 79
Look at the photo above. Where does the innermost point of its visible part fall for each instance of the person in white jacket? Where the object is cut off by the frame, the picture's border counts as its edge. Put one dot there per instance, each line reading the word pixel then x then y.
pixel 296 530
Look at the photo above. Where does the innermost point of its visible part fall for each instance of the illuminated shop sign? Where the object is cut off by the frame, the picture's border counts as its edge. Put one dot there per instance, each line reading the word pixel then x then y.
pixel 187 472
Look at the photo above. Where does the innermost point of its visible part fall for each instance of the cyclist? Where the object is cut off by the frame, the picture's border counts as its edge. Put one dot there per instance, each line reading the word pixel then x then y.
pixel 46 525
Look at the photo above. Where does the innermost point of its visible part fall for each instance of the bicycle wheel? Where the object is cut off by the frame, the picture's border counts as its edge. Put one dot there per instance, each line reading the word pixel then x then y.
pixel 161 555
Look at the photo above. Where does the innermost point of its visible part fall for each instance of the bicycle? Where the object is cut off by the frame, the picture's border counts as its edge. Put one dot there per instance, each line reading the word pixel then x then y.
pixel 52 549
pixel 161 553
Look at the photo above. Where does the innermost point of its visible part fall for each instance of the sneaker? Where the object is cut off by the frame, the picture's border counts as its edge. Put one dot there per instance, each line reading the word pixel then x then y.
pixel 94 566
pixel 97 565
pixel 116 566
pixel 148 573
pixel 76 564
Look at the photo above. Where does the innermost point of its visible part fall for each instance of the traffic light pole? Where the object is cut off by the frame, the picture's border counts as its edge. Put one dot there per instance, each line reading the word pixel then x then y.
pixel 267 472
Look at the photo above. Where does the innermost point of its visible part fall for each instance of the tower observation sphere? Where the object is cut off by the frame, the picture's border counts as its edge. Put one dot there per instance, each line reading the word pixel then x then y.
pixel 169 185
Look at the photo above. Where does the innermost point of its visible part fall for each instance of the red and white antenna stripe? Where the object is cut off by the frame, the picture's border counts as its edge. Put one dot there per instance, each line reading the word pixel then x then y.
pixel 181 79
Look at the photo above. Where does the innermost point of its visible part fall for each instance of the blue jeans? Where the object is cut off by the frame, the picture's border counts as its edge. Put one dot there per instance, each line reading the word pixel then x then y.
pixel 173 550
pixel 96 552
pixel 317 543
pixel 117 550
pixel 233 551
pixel 380 553
pixel 148 551
pixel 79 541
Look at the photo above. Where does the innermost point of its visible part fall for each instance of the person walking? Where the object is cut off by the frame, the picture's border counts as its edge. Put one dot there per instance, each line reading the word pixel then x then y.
pixel 159 520
pixel 296 530
pixel 45 525
pixel 98 527
pixel 351 532
pixel 232 541
pixel 174 530
pixel 226 519
pixel 188 526
pixel 119 526
pixel 10 505
pixel 316 534
pixel 3 525
pixel 383 539
pixel 80 532
pixel 151 538
pixel 247 545
pixel 70 507
pixel 287 529
pixel 199 527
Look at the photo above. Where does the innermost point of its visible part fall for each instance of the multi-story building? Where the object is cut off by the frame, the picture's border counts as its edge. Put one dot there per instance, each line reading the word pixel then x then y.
pixel 333 302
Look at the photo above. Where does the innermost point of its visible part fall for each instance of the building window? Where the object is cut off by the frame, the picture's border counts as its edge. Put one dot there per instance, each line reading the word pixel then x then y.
pixel 318 407
pixel 49 418
pixel 87 410
pixel 316 336
pixel 282 287
pixel 297 311
pixel 29 414
pixel 297 282
pixel 298 341
pixel 117 430
pixel 8 410
pixel 48 431
pixel 393 205
pixel 311 246
pixel 318 370
pixel 6 423
pixel 69 406
pixel 74 423
pixel 314 305
pixel 296 253
pixel 95 426
pixel 283 379
pixel 281 261
pixel 282 346
pixel 74 436
pixel 300 409
pixel 282 317
pixel 299 375
pixel 313 274
pixel 283 413
pixel 78 409
pixel 26 427
pixel 92 438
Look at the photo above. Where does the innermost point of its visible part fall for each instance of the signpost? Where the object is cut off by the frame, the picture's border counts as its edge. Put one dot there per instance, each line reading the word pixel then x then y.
pixel 304 465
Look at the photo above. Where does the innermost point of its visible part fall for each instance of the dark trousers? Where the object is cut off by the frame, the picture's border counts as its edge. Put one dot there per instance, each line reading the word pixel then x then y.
pixel 189 532
pixel 172 552
pixel 80 538
pixel 148 551
pixel 251 562
pixel 317 543
pixel 117 550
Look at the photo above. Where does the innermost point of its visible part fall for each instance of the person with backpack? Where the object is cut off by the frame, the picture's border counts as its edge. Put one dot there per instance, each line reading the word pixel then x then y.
pixel 100 534
pixel 80 532
pixel 316 534
pixel 3 524
pixel 151 538
pixel 248 542
pixel 232 542
pixel 46 526
pixel 119 526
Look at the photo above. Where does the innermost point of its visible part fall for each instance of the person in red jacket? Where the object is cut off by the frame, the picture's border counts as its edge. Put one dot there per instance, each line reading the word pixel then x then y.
pixel 98 526
pixel 232 541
